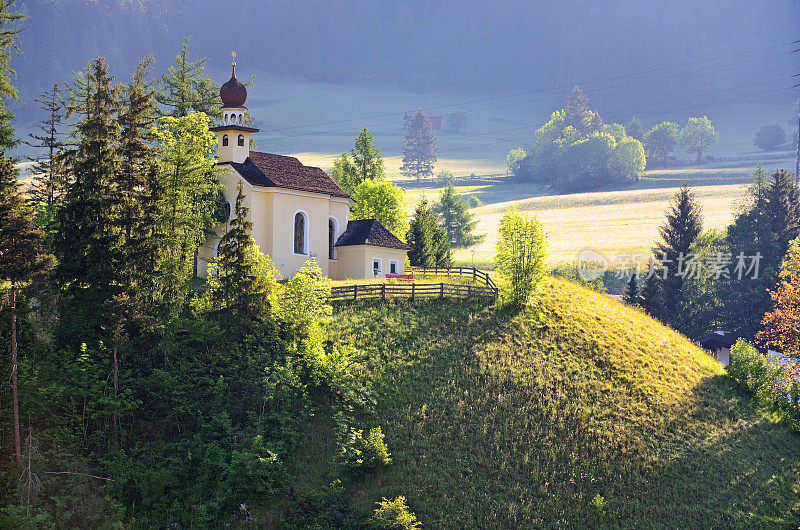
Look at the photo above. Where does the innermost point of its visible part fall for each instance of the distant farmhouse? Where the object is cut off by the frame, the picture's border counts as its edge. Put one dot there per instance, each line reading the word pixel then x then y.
pixel 298 212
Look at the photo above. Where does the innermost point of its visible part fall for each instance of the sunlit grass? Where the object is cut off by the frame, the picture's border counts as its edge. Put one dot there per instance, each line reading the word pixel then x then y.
pixel 503 420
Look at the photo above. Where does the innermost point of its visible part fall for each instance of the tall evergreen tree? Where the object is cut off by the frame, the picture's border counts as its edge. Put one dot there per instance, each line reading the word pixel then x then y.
pixel 49 180
pixel 367 158
pixel 578 115
pixel 683 224
pixel 632 294
pixel 635 129
pixel 21 262
pixel 89 243
pixel 651 295
pixel 428 241
pixel 457 220
pixel 187 89
pixel 238 284
pixel 9 39
pixel 419 153
pixel 782 204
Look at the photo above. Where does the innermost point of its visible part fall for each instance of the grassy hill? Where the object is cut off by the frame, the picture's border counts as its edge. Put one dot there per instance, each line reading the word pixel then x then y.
pixel 579 412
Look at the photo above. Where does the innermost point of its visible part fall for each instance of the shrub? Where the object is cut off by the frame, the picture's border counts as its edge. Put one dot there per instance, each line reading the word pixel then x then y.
pixel 394 514
pixel 770 137
pixel 366 452
pixel 473 201
pixel 521 255
pixel 445 177
pixel 767 380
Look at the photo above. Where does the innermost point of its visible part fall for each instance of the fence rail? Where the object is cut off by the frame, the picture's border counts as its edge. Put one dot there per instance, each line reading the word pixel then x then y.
pixel 388 291
pixel 461 272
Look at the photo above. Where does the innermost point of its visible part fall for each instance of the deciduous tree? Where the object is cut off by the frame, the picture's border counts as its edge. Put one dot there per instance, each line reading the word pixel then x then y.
pixel 697 136
pixel 660 141
pixel 521 256
pixel 381 200
pixel 782 324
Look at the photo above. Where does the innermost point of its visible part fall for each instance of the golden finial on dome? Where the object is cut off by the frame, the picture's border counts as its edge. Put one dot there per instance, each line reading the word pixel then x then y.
pixel 233 56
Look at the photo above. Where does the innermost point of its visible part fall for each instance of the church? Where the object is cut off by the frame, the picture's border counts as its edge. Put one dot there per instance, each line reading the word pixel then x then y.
pixel 298 212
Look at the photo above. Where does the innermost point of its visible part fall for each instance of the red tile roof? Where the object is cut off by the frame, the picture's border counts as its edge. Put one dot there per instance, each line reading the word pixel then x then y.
pixel 278 171
pixel 369 232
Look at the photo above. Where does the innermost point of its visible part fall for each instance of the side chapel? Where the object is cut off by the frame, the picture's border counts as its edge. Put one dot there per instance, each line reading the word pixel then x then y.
pixel 298 212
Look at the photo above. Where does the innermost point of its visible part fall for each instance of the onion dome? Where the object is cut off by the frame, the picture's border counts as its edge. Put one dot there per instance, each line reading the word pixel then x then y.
pixel 233 92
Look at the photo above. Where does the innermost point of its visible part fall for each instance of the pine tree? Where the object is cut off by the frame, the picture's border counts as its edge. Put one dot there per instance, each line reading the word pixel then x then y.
pixel 367 158
pixel 428 241
pixel 9 38
pixel 21 263
pixel 49 180
pixel 651 295
pixel 635 129
pixel 631 294
pixel 88 245
pixel 419 153
pixel 456 218
pixel 578 115
pixel 684 223
pixel 239 288
pixel 782 204
pixel 186 89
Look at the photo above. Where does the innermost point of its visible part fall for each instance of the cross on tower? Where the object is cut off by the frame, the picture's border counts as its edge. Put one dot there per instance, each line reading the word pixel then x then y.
pixel 233 56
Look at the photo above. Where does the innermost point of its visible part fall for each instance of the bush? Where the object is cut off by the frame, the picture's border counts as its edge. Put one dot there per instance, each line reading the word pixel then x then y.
pixel 445 177
pixel 394 514
pixel 770 137
pixel 521 255
pixel 473 201
pixel 767 380
pixel 366 452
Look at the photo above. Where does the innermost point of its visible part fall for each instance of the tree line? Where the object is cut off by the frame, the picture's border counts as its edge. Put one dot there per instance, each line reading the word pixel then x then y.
pixel 576 151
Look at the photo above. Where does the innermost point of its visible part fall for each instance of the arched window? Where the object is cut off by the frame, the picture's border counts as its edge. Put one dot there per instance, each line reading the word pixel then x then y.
pixel 241 119
pixel 224 140
pixel 226 117
pixel 333 235
pixel 240 140
pixel 300 233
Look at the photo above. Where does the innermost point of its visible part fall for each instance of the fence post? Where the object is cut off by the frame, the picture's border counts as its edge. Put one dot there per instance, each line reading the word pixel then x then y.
pixel 355 293
pixel 469 291
pixel 441 290
pixel 412 292
pixel 383 291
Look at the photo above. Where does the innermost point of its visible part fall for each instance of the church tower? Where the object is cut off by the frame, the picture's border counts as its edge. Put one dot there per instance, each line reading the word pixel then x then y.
pixel 233 136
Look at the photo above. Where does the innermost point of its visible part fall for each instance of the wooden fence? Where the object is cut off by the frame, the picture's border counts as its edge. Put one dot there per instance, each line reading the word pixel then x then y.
pixel 389 291
pixel 460 272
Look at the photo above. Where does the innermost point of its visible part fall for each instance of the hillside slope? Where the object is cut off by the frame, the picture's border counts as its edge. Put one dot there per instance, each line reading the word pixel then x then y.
pixel 579 412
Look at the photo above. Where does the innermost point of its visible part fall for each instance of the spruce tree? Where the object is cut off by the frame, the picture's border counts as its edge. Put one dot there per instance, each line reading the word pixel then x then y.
pixel 88 244
pixel 239 289
pixel 428 241
pixel 367 159
pixel 631 295
pixel 9 39
pixel 456 218
pixel 578 115
pixel 651 295
pixel 49 179
pixel 187 89
pixel 21 262
pixel 419 153
pixel 782 204
pixel 684 223
pixel 635 129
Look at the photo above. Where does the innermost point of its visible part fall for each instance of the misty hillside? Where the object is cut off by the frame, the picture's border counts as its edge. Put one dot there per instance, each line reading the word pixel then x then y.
pixel 426 45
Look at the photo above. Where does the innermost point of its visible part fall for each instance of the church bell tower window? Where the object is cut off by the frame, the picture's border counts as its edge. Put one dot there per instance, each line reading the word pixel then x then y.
pixel 224 140
pixel 240 140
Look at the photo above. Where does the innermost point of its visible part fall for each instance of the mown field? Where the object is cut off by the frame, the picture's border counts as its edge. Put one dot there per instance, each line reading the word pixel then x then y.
pixel 579 412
